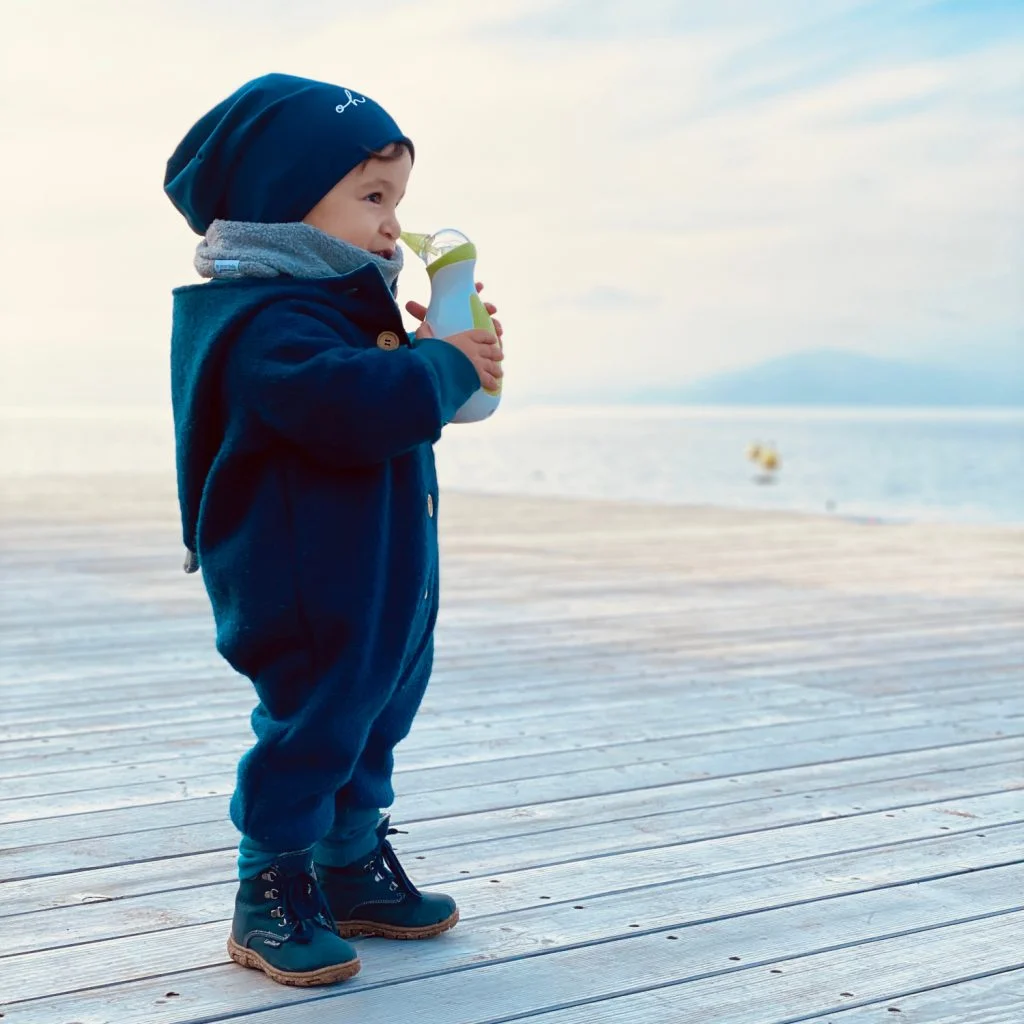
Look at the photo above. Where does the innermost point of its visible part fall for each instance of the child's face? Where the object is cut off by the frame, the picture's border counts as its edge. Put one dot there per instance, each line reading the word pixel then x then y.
pixel 361 208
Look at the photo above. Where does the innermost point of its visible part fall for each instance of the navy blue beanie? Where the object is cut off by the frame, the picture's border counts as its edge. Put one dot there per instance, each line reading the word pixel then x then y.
pixel 273 149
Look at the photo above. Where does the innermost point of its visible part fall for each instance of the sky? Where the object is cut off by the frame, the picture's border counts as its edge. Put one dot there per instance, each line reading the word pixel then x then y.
pixel 659 190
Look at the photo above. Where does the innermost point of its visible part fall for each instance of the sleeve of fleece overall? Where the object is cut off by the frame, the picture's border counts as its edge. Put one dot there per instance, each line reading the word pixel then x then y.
pixel 346 406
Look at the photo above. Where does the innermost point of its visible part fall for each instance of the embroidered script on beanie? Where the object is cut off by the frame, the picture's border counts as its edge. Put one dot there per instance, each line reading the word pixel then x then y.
pixel 350 101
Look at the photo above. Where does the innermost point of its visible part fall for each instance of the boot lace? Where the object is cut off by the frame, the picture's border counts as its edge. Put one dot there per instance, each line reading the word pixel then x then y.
pixel 303 907
pixel 385 857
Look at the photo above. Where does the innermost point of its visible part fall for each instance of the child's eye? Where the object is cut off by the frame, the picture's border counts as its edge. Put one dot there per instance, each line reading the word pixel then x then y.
pixel 375 197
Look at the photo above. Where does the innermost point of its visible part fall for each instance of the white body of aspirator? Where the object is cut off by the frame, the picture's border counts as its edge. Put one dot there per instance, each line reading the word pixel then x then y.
pixel 450 312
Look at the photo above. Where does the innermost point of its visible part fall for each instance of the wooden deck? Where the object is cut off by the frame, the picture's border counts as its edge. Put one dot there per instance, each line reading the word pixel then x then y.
pixel 676 765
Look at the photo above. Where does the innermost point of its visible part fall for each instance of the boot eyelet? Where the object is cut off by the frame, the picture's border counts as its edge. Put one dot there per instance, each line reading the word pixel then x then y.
pixel 277 912
pixel 271 894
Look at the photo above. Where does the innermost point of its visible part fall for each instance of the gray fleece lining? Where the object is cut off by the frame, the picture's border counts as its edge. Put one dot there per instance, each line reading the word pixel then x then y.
pixel 234 249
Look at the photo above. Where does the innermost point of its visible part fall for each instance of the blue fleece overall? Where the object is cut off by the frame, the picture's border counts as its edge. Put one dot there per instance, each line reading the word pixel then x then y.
pixel 305 419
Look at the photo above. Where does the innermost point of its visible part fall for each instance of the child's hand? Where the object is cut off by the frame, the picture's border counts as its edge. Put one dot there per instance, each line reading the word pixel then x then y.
pixel 480 347
pixel 419 311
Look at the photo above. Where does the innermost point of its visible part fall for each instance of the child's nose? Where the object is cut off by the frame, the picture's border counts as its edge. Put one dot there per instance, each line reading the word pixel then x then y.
pixel 392 228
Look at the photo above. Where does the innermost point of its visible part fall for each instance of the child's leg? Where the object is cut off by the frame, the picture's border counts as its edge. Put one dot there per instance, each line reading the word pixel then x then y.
pixel 367 889
pixel 310 734
pixel 370 785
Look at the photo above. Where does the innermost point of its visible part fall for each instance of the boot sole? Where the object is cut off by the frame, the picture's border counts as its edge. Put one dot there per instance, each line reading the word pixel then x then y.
pixel 350 929
pixel 325 976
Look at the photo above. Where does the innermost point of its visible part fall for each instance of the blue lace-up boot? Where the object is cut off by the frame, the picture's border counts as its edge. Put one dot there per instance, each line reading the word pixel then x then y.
pixel 283 927
pixel 375 896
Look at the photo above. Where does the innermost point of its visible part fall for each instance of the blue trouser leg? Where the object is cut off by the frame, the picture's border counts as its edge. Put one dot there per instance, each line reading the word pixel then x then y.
pixel 322 757
pixel 369 788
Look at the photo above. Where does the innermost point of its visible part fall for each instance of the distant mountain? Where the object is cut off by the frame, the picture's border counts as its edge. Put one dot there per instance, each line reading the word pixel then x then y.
pixel 829 377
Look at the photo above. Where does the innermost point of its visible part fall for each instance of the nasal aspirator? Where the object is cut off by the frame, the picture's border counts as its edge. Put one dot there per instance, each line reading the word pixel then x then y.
pixel 455 306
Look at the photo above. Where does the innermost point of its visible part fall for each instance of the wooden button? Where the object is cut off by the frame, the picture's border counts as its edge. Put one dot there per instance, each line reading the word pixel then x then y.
pixel 430 505
pixel 388 341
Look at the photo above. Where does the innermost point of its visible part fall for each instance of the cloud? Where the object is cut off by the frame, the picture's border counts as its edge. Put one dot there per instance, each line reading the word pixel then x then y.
pixel 658 190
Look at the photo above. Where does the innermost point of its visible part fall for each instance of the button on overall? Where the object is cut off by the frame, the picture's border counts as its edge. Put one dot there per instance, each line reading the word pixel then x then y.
pixel 388 341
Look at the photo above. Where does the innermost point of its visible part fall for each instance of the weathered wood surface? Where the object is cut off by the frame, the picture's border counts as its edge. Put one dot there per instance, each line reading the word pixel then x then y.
pixel 675 764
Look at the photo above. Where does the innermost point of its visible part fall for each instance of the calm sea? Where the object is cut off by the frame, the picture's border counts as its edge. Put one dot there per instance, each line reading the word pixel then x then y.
pixel 905 465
